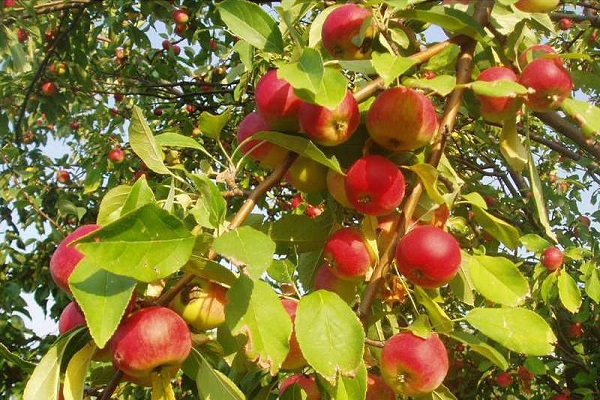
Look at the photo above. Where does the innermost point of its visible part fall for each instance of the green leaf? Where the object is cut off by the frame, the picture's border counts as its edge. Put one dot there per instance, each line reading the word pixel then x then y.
pixel 442 84
pixel 334 88
pixel 501 230
pixel 253 24
pixel 146 244
pixel 592 285
pixel 455 21
pixel 512 147
pixel 7 355
pixel 330 335
pixel 77 370
pixel 428 175
pixel 112 204
pixel 498 88
pixel 143 143
pixel 441 393
pixel 390 67
pixel 538 197
pixel 172 139
pixel 103 298
pixel 248 246
pixel 314 36
pixel 585 113
pixel 299 231
pixel 568 292
pixel 349 387
pixel 139 195
pixel 254 310
pixel 308 264
pixel 212 384
pixel 306 73
pixel 481 347
pixel 93 180
pixel 211 207
pixel 498 280
pixel 302 146
pixel 282 271
pixel 212 125
pixel 535 243
pixel 517 329
pixel 439 319
pixel 461 285
pixel 475 199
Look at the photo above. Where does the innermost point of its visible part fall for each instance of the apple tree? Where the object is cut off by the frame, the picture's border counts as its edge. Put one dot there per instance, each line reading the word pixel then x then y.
pixel 257 200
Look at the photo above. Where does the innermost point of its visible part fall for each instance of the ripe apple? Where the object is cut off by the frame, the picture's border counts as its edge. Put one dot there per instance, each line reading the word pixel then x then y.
pixel 117 155
pixel 428 256
pixel 565 24
pixel 277 103
pixel 65 258
pixel 63 176
pixel 10 3
pixel 75 125
pixel 118 97
pixel 412 365
pixel 402 119
pixel 201 304
pixel 325 279
pixel 330 127
pixel 537 6
pixel 342 30
pixel 166 44
pixel 307 175
pixel 181 16
pixel 308 384
pixel 552 258
pixel 377 389
pixel 504 379
pixel 582 225
pixel 375 185
pixel 313 211
pixel 535 52
pixel 348 254
pixel 551 81
pixel 176 49
pixel 294 359
pixel 49 89
pixel 70 318
pixel 268 154
pixel 190 108
pixel 336 186
pixel 158 112
pixel 576 330
pixel 497 109
pixel 149 339
pixel 22 35
pixel 180 29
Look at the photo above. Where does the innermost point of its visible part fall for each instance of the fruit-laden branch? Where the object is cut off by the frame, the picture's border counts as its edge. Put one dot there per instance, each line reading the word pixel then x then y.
pixel 463 75
pixel 577 18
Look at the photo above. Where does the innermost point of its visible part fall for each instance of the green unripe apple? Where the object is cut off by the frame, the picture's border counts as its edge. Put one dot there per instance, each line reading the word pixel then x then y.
pixel 201 304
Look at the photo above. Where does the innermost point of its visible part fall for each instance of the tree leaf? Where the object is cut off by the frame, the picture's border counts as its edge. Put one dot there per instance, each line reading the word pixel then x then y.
pixel 498 88
pixel 211 207
pixel 568 292
pixel 249 246
pixel 334 88
pixel 112 204
pixel 517 329
pixel 538 198
pixel 442 84
pixel 172 139
pixel 498 280
pixel 308 264
pixel 76 372
pixel 439 319
pixel 441 393
pixel 253 24
pixel 9 356
pixel 534 243
pixel 146 244
pixel 349 387
pixel 481 347
pixel 212 384
pixel 306 73
pixel 139 195
pixel 592 284
pixel 501 230
pixel 299 231
pixel 212 125
pixel 585 113
pixel 428 175
pixel 390 67
pixel 144 144
pixel 254 310
pixel 329 334
pixel 161 386
pixel 450 19
pixel 511 147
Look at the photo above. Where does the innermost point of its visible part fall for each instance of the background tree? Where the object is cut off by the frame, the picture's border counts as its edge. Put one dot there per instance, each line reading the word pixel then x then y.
pixel 130 115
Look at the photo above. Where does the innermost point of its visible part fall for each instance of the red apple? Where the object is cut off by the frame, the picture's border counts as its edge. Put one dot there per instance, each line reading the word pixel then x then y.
pixel 118 97
pixel 429 74
pixel 65 258
pixel 50 35
pixel 497 109
pixel 375 185
pixel 307 175
pixel 308 384
pixel 75 125
pixel 10 3
pixel 377 389
pixel 551 82
pixel 342 30
pixel 414 366
pixel 294 359
pixel 325 279
pixel 297 201
pixel 176 49
pixel 190 108
pixel 181 16
pixel 330 127
pixel 313 211
pixel 576 330
pixel 504 379
pixel 22 35
pixel 277 103
pixel 348 254
pixel 402 119
pixel 201 304
pixel 582 225
pixel 268 154
pixel 166 44
pixel 336 186
pixel 180 29
pixel 63 176
pixel 428 256
pixel 565 24
pixel 535 52
pixel 114 111
pixel 150 339
pixel 537 6
pixel 552 258
pixel 117 155
pixel 214 46
pixel 49 89
pixel 70 318
pixel 158 112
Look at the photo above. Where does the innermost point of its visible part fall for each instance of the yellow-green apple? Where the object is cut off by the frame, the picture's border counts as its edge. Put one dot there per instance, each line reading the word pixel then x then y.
pixel 150 339
pixel 308 384
pixel 294 359
pixel 269 155
pixel 348 32
pixel 201 304
pixel 65 258
pixel 375 185
pixel 58 68
pixel 402 119
pixel 49 89
pixel 277 103
pixel 336 187
pixel 181 16
pixel 307 175
pixel 412 365
pixel 325 279
pixel 537 6
pixel 330 127
pixel 348 254
pixel 428 256
pixel 552 258
pixel 377 389
pixel 497 109
pixel 535 52
pixel 550 81
pixel 117 155
pixel 504 379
